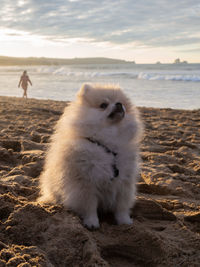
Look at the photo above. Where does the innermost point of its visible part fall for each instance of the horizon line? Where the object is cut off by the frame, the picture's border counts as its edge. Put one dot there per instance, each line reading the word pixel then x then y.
pixel 100 57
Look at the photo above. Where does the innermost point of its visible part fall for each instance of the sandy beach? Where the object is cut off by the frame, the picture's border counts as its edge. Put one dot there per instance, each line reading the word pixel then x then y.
pixel 166 227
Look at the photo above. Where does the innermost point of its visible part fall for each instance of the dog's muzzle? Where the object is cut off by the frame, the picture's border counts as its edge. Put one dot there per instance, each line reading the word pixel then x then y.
pixel 117 113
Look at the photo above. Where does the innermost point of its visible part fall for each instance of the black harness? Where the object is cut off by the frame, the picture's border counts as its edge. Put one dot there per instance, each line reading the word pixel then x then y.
pixel 115 169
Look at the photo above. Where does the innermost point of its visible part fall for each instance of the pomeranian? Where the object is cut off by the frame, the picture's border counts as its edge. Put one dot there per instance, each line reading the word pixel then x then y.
pixel 93 159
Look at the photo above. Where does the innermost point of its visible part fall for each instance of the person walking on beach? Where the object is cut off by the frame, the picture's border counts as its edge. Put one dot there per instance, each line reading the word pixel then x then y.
pixel 24 80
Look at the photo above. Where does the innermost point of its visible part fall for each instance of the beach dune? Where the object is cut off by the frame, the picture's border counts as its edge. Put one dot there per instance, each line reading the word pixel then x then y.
pixel 166 227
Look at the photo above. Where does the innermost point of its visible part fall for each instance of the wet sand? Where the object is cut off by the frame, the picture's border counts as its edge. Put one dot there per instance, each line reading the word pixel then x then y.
pixel 166 228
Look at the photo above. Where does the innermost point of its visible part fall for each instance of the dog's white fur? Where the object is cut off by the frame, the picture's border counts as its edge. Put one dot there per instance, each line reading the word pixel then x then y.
pixel 79 173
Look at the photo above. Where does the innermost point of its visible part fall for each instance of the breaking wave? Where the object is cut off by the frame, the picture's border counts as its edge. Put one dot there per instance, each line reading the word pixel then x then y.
pixel 168 77
pixel 88 72
pixel 65 71
pixel 82 73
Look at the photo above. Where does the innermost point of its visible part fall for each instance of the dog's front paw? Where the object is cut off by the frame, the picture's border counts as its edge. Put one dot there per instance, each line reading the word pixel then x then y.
pixel 123 218
pixel 91 222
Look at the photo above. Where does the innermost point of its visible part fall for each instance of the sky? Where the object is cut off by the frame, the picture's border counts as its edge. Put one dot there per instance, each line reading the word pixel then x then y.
pixel 145 31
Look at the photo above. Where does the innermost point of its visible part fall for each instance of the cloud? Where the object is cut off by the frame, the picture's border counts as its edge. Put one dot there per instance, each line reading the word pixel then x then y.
pixel 153 23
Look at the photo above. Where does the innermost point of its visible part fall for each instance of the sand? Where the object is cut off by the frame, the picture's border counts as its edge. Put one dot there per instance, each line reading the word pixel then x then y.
pixel 166 227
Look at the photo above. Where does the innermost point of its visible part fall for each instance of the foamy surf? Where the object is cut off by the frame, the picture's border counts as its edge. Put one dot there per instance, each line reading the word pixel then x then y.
pixel 168 77
pixel 151 76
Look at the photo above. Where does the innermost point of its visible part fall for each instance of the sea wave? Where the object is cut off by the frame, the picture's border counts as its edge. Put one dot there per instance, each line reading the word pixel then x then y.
pixel 168 77
pixel 145 75
pixel 82 73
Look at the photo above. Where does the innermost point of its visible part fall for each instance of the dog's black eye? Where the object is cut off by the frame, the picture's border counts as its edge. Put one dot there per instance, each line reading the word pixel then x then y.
pixel 103 105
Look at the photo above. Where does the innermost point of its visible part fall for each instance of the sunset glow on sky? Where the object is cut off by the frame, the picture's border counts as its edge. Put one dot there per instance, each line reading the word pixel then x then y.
pixel 146 31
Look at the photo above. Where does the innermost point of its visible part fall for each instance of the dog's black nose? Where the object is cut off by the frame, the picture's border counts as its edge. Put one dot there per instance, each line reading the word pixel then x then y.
pixel 118 112
pixel 119 106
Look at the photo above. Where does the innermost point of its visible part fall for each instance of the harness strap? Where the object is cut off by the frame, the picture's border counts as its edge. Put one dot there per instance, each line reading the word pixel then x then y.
pixel 115 169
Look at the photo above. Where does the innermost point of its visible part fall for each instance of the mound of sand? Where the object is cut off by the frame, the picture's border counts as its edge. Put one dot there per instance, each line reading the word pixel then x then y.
pixel 166 216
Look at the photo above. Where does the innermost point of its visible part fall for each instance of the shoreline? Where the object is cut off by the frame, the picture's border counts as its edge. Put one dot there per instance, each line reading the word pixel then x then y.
pixel 67 101
pixel 166 216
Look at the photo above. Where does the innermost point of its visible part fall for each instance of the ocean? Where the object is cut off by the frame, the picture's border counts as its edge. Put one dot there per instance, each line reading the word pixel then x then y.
pixel 151 85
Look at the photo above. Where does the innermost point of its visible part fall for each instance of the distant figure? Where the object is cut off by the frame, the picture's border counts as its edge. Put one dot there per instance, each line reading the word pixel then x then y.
pixel 24 80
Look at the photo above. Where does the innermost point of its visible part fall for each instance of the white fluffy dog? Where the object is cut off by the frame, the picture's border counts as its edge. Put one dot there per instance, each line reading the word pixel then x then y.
pixel 93 159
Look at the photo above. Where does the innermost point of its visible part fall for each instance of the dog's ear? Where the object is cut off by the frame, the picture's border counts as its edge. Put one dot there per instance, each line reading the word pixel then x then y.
pixel 84 92
pixel 85 89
